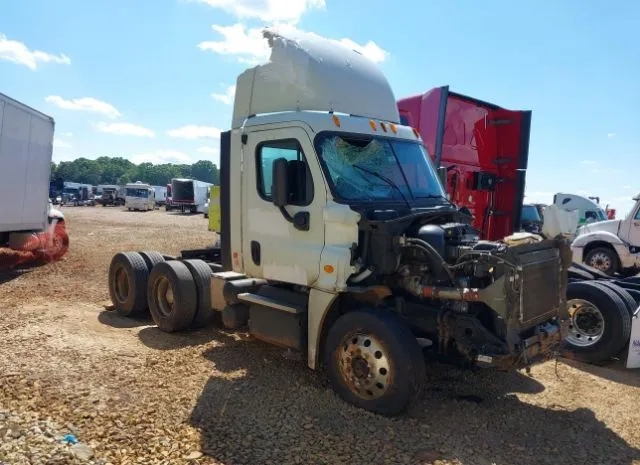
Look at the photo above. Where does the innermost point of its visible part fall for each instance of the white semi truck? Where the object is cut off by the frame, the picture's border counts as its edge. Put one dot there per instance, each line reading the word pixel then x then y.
pixel 611 246
pixel 337 240
pixel 26 148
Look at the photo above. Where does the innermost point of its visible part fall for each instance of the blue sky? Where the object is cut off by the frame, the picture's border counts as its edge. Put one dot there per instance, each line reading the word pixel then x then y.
pixel 150 79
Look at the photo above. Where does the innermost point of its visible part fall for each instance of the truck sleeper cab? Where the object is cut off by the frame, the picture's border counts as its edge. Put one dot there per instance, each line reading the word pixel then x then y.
pixel 337 240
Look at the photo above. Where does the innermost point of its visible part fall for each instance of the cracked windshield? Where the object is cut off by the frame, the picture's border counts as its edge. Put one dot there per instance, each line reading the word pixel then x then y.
pixel 366 168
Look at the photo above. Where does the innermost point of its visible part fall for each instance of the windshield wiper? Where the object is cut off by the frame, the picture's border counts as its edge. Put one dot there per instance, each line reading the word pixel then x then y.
pixel 387 180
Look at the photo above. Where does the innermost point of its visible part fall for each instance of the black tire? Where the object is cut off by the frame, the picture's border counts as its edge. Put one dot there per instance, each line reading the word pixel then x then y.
pixel 151 258
pixel 632 280
pixel 128 275
pixel 614 263
pixel 635 294
pixel 617 322
pixel 576 273
pixel 178 315
pixel 596 273
pixel 202 277
pixel 626 297
pixel 406 371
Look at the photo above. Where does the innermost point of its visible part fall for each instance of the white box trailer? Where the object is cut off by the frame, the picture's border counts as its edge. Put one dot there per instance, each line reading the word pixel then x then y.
pixel 26 148
pixel 160 194
pixel 189 194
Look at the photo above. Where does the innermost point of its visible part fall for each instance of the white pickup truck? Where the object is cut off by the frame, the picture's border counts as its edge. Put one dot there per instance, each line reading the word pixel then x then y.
pixel 610 246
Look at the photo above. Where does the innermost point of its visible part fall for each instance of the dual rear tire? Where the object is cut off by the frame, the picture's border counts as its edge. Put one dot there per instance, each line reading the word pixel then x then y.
pixel 176 293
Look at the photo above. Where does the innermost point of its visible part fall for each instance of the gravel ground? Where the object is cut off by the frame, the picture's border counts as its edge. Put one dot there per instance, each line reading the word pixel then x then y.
pixel 134 395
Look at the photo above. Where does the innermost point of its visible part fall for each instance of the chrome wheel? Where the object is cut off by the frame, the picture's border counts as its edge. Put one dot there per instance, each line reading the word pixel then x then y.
pixel 600 261
pixel 586 324
pixel 364 365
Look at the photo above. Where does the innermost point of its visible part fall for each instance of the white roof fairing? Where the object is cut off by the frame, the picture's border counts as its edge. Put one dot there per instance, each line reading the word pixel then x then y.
pixel 308 72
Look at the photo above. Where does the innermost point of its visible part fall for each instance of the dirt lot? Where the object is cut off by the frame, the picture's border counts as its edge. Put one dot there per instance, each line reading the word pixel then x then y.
pixel 135 395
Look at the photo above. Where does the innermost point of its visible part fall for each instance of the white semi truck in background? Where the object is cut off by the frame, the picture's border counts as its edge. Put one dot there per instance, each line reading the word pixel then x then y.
pixel 26 149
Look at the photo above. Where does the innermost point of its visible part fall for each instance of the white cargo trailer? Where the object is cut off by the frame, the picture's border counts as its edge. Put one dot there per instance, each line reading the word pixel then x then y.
pixel 189 194
pixel 160 194
pixel 26 148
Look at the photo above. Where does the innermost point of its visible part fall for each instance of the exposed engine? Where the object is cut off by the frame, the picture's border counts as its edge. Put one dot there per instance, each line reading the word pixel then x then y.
pixel 449 254
pixel 490 301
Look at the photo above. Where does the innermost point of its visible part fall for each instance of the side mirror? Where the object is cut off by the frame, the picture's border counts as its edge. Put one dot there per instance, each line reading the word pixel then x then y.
pixel 280 183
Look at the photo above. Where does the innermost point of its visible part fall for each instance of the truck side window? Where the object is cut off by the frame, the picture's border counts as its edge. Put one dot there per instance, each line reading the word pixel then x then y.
pixel 300 181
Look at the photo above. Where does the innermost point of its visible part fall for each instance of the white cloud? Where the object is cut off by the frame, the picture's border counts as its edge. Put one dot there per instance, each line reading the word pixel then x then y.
pixel 17 52
pixel 192 132
pixel 227 97
pixel 207 149
pixel 161 156
pixel 66 134
pixel 60 144
pixel 266 10
pixel 89 104
pixel 611 135
pixel 246 44
pixel 627 186
pixel 606 171
pixel 249 46
pixel 124 129
pixel 589 162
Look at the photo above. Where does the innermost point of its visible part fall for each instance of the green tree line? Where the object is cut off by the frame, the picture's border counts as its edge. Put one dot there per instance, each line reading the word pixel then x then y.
pixel 117 170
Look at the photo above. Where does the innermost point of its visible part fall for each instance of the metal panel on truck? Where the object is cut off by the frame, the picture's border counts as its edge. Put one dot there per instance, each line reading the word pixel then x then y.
pixel 26 145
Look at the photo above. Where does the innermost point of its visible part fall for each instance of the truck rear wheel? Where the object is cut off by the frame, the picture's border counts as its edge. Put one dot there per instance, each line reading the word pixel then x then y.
pixel 172 296
pixel 151 258
pixel 626 297
pixel 202 277
pixel 374 361
pixel 128 276
pixel 603 259
pixel 599 325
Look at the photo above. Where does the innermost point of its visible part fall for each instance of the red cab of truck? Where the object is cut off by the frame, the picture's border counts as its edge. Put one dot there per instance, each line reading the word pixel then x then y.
pixel 484 148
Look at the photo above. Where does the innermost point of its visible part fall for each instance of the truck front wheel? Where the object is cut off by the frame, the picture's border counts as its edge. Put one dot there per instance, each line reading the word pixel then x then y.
pixel 374 361
pixel 603 259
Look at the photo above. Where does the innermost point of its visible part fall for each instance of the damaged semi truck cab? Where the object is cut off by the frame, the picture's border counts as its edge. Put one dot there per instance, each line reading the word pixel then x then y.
pixel 337 240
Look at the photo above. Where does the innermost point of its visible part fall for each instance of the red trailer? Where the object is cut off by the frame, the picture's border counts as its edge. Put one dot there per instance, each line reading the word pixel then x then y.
pixel 169 205
pixel 484 148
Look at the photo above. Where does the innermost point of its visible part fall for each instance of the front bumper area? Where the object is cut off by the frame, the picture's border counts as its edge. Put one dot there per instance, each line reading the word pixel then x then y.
pixel 542 345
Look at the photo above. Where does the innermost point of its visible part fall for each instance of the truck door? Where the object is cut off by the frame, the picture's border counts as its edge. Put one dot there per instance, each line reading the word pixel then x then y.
pixel 272 247
pixel 633 226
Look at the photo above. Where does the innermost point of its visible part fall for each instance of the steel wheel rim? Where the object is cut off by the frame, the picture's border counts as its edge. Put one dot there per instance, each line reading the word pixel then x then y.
pixel 164 296
pixel 586 323
pixel 600 261
pixel 364 365
pixel 122 284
